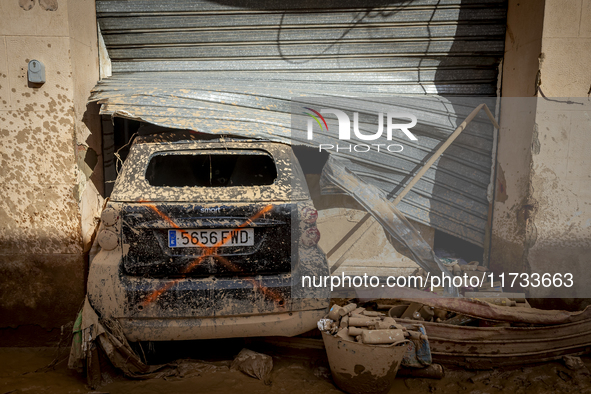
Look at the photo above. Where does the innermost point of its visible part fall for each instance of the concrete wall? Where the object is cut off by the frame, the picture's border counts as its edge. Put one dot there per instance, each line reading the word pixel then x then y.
pixel 561 164
pixel 49 146
pixel 542 208
pixel 523 45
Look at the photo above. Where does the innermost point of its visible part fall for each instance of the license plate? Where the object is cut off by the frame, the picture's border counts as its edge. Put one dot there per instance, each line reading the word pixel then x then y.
pixel 195 238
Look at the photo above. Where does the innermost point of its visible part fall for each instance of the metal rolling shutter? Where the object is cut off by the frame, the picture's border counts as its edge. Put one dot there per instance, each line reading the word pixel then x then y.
pixel 233 66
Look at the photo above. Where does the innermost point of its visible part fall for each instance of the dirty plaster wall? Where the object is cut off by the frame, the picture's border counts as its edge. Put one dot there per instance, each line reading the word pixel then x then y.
pixel 48 140
pixel 523 45
pixel 561 163
pixel 542 212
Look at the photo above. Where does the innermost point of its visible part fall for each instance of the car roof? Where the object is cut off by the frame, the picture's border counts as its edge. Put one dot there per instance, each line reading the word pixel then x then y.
pixel 188 136
pixel 131 184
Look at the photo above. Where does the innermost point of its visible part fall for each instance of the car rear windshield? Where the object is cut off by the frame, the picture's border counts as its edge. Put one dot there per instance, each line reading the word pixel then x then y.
pixel 211 169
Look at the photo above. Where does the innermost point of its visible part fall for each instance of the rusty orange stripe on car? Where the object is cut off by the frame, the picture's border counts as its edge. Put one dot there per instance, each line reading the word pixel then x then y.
pixel 210 251
pixel 269 293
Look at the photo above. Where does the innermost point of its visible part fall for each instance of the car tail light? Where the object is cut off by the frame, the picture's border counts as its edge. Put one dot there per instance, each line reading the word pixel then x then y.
pixel 310 237
pixel 309 215
pixel 109 216
pixel 108 239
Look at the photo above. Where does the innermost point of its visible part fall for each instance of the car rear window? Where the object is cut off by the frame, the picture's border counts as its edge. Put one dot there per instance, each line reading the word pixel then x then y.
pixel 211 169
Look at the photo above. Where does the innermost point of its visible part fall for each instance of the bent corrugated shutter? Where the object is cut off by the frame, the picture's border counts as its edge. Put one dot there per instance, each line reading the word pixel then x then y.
pixel 233 66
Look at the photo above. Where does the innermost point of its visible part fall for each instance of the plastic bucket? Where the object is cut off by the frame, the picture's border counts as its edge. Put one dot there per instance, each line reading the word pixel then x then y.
pixel 362 369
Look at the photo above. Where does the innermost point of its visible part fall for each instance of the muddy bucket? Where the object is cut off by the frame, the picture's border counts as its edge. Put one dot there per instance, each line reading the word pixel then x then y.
pixel 362 369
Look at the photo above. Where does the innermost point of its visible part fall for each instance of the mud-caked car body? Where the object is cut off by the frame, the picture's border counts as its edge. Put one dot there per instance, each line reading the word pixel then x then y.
pixel 208 239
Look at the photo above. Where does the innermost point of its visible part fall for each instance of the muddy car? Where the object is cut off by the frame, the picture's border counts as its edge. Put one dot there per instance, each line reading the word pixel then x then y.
pixel 208 239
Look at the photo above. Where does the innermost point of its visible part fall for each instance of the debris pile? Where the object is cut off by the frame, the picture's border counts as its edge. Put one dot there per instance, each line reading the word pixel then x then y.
pixel 365 348
pixel 418 311
pixel 254 364
pixel 375 324
pixel 354 323
pixel 425 313
pixel 373 327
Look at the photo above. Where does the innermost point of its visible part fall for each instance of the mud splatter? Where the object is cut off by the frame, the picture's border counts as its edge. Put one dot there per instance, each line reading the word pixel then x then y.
pixel 501 195
pixel 294 371
pixel 26 5
pixel 48 5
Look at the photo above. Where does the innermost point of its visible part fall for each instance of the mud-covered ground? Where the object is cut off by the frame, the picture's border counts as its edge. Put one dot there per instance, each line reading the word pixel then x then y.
pixel 295 371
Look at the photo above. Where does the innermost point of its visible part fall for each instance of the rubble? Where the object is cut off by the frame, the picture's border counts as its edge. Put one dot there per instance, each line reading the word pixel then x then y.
pixel 371 327
pixel 371 343
pixel 366 348
pixel 574 363
pixel 254 364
